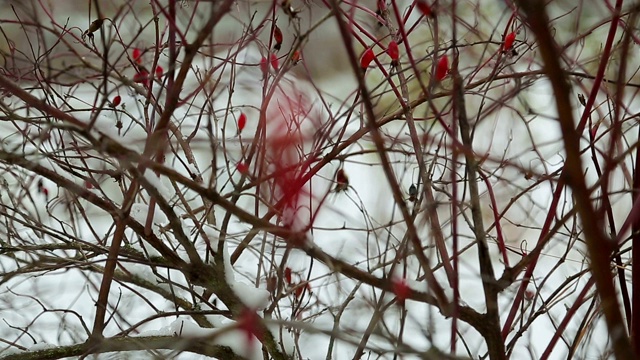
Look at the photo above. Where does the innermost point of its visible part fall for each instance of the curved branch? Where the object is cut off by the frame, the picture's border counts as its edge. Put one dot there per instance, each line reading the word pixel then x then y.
pixel 202 346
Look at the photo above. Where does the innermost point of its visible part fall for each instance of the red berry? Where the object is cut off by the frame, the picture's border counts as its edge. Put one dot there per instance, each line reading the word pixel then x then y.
pixel 137 54
pixel 242 121
pixel 508 41
pixel 295 57
pixel 159 71
pixel 443 68
pixel 342 181
pixel 264 65
pixel 367 58
pixel 301 287
pixel 382 7
pixel 249 323
pixel 394 52
pixel 141 77
pixel 116 101
pixel 529 295
pixel 274 61
pixel 287 275
pixel 277 36
pixel 45 191
pixel 424 8
pixel 242 168
pixel 401 290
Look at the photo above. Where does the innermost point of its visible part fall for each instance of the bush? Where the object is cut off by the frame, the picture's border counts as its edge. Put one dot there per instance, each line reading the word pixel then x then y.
pixel 315 180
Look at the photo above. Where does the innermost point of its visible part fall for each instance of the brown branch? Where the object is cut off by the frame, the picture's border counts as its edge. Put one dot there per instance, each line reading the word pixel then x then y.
pixel 202 346
pixel 489 284
pixel 466 313
pixel 599 246
pixel 372 127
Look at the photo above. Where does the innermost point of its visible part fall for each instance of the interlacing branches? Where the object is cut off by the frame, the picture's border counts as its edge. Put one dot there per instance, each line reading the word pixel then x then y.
pixel 338 179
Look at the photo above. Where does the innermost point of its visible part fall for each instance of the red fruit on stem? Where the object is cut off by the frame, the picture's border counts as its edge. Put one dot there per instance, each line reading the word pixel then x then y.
pixel 242 168
pixel 287 275
pixel 300 288
pixel 443 68
pixel 295 57
pixel 249 323
pixel 274 61
pixel 277 36
pixel 141 77
pixel 424 8
pixel 159 71
pixel 508 41
pixel 394 52
pixel 242 121
pixel 264 65
pixel 271 284
pixel 529 295
pixel 45 191
pixel 366 58
pixel 401 290
pixel 116 101
pixel 137 55
pixel 342 181
pixel 382 6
